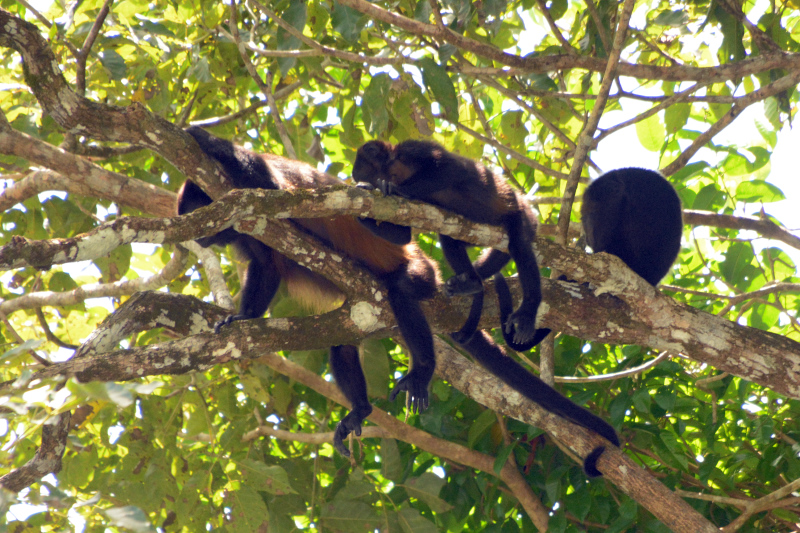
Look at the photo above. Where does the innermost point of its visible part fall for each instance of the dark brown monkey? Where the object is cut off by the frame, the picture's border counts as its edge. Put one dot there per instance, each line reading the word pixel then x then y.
pixel 423 170
pixel 636 215
pixel 408 275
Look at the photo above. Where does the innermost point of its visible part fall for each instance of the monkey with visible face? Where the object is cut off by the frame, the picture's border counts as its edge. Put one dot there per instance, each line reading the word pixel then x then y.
pixel 423 170
pixel 408 275
pixel 636 215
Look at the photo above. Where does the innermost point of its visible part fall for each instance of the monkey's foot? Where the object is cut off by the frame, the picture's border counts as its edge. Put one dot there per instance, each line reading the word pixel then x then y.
pixel 522 324
pixel 228 320
pixel 464 283
pixel 350 423
pixel 416 385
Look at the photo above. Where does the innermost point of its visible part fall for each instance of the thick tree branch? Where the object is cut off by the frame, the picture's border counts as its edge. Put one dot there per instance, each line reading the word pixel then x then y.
pixel 655 320
pixel 133 124
pixel 47 459
pixel 84 177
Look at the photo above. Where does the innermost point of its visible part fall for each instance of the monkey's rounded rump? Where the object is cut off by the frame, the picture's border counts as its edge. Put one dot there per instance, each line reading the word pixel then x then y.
pixel 635 214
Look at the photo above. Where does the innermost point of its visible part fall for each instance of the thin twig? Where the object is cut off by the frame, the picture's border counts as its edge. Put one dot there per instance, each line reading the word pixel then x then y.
pixel 555 30
pixel 674 99
pixel 584 143
pixel 265 85
pixel 778 86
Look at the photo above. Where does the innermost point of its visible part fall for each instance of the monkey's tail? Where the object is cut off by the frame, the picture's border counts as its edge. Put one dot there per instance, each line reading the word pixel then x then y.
pixel 506 305
pixel 493 358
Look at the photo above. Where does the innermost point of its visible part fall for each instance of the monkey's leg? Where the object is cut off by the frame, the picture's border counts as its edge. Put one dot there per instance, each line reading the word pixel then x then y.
pixel 521 234
pixel 495 360
pixel 506 306
pixel 349 376
pixel 490 262
pixel 465 281
pixel 260 285
pixel 417 334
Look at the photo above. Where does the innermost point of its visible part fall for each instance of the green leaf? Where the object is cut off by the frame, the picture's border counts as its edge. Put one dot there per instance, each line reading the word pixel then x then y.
pixel 130 518
pixel 375 362
pixel 672 18
pixel 272 479
pixel 21 349
pixel 651 133
pixel 665 398
pixel 349 517
pixel 373 108
pixel 480 425
pixel 502 457
pixel 200 71
pixel 758 191
pixel 738 261
pixel 114 63
pixel 641 400
pixel 512 129
pixel 709 198
pixel 391 463
pixel 676 116
pixel 413 522
pixel 345 21
pixel 248 512
pixel 427 488
pixel 439 83
pixel 114 266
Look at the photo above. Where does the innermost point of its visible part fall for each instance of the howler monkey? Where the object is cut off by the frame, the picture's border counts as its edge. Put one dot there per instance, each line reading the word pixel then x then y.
pixel 408 275
pixel 636 215
pixel 424 170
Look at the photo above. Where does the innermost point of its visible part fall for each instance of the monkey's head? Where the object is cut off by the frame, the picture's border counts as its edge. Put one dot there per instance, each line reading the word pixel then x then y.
pixel 372 162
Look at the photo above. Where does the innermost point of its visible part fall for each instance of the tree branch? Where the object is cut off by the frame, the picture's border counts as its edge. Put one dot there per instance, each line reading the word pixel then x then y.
pixel 544 64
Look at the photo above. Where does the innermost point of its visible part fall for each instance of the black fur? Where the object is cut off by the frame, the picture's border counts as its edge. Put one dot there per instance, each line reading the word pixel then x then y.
pixel 408 275
pixel 636 215
pixel 423 170
pixel 495 360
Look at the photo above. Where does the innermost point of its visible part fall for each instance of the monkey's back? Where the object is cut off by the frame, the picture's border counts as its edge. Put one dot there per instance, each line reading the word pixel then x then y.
pixel 636 215
pixel 454 182
pixel 247 169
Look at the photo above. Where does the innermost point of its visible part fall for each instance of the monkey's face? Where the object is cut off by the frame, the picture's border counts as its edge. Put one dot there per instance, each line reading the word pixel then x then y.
pixel 372 162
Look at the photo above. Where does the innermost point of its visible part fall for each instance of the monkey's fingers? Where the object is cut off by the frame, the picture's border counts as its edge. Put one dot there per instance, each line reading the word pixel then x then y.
pixel 228 320
pixel 350 423
pixel 417 390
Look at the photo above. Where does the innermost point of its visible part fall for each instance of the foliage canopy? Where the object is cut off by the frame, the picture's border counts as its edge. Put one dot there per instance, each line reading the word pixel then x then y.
pixel 701 382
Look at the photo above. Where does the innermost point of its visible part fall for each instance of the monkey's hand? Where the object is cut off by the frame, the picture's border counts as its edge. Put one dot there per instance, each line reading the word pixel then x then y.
pixel 365 185
pixel 350 423
pixel 415 383
pixel 228 320
pixel 464 283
